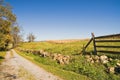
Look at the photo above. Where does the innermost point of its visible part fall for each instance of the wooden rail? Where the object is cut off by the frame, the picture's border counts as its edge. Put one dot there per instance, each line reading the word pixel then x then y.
pixel 103 39
pixel 88 44
pixel 107 40
pixel 109 46
pixel 108 36
pixel 113 52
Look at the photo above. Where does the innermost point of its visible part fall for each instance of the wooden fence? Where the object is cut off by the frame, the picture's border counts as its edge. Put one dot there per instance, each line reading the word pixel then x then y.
pixel 104 39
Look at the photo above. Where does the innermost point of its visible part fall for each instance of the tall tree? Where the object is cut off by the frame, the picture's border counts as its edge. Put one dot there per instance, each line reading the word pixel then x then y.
pixel 7 19
pixel 16 36
pixel 30 37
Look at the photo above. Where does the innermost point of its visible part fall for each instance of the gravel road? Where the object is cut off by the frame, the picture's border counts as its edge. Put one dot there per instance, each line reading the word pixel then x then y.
pixel 15 67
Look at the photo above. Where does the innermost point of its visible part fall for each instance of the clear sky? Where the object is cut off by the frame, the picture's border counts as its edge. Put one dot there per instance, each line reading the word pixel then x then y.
pixel 67 19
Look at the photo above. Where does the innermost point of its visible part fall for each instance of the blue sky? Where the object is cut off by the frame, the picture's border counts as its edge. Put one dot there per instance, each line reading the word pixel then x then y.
pixel 67 19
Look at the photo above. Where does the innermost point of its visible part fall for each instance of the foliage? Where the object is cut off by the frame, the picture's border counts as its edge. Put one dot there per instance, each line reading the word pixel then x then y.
pixel 5 36
pixel 111 63
pixel 7 19
pixel 81 66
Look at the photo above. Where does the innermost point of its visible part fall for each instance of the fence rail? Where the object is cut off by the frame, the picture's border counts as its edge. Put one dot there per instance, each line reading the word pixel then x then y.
pixel 107 36
pixel 113 52
pixel 107 40
pixel 103 39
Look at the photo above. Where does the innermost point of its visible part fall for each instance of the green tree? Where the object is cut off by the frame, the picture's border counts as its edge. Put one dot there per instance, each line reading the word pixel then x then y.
pixel 7 19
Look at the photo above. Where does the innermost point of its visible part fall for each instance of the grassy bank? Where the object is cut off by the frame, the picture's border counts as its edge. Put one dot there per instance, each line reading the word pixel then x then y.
pixel 53 67
pixel 78 69
pixel 78 65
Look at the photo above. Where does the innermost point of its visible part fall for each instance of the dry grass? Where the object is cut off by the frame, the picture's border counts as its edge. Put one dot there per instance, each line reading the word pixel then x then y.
pixel 66 41
pixel 25 75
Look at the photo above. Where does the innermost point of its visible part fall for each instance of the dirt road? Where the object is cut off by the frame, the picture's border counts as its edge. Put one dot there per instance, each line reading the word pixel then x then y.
pixel 16 67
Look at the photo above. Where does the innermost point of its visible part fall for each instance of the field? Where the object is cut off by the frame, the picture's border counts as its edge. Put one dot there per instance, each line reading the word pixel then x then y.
pixel 70 48
pixel 78 68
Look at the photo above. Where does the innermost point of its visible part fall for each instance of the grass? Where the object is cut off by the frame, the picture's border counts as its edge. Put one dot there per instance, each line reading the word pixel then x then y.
pixel 53 67
pixel 66 48
pixel 78 65
pixel 2 55
pixel 114 56
pixel 79 68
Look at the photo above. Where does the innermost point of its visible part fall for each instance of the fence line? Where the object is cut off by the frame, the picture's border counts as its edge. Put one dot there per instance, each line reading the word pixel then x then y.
pixel 101 40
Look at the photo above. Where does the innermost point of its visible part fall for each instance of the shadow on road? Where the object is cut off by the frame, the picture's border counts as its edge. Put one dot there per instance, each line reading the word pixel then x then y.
pixel 2 57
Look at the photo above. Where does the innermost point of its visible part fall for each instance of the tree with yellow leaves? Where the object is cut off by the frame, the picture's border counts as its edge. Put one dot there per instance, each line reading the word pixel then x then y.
pixel 7 19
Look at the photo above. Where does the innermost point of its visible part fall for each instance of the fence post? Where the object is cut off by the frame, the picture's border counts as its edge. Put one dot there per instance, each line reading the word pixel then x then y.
pixel 94 44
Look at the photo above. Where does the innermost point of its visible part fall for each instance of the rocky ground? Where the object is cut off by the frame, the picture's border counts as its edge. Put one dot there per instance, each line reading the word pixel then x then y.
pixel 16 67
pixel 112 65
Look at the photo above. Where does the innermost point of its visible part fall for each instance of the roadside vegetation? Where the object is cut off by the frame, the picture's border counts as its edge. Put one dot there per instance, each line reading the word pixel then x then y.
pixel 9 29
pixel 53 67
pixel 78 65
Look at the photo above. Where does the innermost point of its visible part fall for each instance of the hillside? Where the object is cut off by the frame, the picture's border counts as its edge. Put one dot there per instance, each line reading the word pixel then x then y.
pixel 67 57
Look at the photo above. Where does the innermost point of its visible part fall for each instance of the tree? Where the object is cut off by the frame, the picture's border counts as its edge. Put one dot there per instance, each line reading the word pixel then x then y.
pixel 16 36
pixel 7 19
pixel 30 37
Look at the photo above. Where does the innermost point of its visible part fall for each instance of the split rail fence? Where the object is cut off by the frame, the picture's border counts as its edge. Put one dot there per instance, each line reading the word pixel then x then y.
pixel 115 38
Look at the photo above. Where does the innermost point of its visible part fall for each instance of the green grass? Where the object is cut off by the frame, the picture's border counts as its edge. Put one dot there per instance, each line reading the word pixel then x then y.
pixel 53 67
pixel 114 56
pixel 78 65
pixel 79 68
pixel 2 55
pixel 66 48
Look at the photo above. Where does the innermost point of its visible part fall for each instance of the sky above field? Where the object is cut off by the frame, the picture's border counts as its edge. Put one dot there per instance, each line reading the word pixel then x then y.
pixel 67 19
